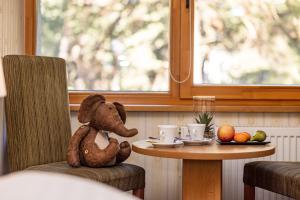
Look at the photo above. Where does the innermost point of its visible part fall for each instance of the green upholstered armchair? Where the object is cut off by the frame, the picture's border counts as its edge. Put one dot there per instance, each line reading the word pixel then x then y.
pixel 279 177
pixel 38 123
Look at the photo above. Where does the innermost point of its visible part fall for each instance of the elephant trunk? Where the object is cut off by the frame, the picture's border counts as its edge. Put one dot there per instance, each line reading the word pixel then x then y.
pixel 123 131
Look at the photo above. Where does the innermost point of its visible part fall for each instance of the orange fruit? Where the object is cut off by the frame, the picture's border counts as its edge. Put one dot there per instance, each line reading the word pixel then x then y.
pixel 247 134
pixel 241 137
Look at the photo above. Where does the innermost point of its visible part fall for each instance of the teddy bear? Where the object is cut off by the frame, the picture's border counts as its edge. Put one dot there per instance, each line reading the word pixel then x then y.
pixel 90 145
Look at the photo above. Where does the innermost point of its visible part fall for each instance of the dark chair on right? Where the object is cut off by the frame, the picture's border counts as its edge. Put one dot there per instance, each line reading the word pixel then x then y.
pixel 279 177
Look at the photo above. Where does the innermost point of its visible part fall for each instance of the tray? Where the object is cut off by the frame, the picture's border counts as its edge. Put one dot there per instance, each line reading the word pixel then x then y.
pixel 243 143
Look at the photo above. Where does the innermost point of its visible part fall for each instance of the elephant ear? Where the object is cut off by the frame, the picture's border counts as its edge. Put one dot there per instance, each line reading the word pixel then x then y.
pixel 88 107
pixel 121 111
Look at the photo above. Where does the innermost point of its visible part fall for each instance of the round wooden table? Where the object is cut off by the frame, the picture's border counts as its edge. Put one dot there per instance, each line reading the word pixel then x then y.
pixel 202 165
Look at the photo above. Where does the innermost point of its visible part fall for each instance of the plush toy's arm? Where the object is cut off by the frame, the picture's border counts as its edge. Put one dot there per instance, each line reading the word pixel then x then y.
pixel 124 152
pixel 73 149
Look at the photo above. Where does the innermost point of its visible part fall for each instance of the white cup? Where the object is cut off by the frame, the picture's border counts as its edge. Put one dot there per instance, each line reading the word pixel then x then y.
pixel 184 133
pixel 167 133
pixel 196 131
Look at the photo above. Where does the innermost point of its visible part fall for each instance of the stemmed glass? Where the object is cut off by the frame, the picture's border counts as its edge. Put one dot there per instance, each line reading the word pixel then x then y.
pixel 204 112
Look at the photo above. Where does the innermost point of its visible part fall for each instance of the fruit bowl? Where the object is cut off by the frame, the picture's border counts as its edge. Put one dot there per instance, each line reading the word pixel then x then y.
pixel 243 143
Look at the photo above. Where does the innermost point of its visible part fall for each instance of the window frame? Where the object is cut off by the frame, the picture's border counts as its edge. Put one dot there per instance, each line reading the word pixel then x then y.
pixel 242 95
pixel 179 98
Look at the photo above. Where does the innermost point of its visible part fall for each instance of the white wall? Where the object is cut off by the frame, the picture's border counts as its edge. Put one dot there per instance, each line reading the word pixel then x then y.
pixel 11 42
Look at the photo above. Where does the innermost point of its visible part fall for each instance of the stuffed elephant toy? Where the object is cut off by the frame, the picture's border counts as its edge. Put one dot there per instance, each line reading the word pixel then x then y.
pixel 90 145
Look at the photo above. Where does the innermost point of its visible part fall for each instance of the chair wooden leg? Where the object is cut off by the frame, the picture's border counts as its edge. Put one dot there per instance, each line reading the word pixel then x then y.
pixel 138 193
pixel 249 192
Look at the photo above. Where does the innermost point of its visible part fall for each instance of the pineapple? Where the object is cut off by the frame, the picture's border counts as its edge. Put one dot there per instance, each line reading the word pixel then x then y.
pixel 206 118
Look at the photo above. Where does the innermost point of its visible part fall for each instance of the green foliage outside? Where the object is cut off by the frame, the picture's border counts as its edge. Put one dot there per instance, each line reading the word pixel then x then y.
pixel 108 44
pixel 247 41
pixel 123 45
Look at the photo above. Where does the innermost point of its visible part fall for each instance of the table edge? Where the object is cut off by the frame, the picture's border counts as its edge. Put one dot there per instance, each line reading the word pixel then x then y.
pixel 206 156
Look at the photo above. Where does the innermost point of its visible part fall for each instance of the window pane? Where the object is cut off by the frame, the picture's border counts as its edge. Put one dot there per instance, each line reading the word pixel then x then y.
pixel 108 44
pixel 247 42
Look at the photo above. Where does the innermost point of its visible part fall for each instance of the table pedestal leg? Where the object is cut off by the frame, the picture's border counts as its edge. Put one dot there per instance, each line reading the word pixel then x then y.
pixel 202 179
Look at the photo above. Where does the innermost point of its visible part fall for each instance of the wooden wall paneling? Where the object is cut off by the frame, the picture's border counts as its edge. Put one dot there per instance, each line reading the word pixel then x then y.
pixel 240 174
pixel 1 101
pixel 272 195
pixel 74 122
pixel 18 31
pixel 11 42
pixel 226 181
pixel 1 26
pixel 293 145
pixel 188 118
pixel 229 179
pixel 226 118
pixel 251 119
pixel 294 119
pixel 234 178
pixel 273 140
pixel 276 119
pixel 11 27
pixel 156 168
pixel 287 148
pixel 279 149
pixel 298 146
pixel 174 177
pixel 174 165
pixel 136 120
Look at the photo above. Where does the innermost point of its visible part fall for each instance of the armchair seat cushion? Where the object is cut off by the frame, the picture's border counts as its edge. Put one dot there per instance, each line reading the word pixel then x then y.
pixel 278 177
pixel 123 176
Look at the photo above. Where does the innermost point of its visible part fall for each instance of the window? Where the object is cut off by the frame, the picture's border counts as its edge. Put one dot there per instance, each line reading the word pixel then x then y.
pixel 246 53
pixel 109 45
pixel 243 52
pixel 245 42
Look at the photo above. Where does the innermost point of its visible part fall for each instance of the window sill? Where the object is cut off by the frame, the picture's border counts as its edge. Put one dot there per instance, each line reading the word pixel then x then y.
pixel 189 108
pixel 170 102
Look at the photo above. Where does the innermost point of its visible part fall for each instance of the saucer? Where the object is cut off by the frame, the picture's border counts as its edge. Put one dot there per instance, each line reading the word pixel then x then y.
pixel 197 142
pixel 158 144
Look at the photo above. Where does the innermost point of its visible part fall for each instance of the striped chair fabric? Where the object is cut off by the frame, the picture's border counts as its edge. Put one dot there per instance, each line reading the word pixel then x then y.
pixel 279 177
